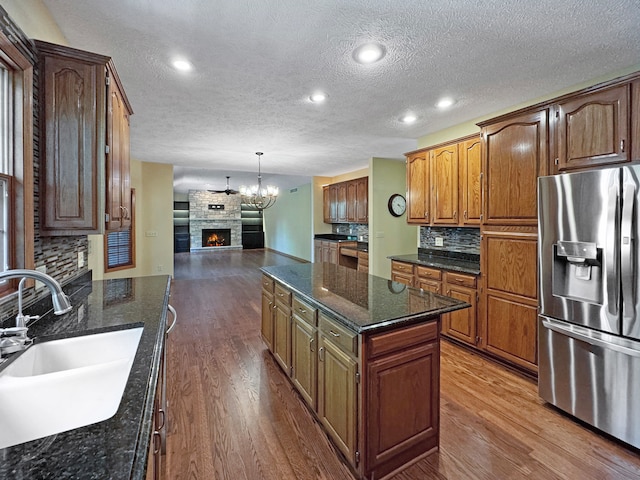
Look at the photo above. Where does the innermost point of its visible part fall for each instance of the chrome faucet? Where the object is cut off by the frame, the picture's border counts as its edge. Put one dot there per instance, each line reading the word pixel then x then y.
pixel 15 338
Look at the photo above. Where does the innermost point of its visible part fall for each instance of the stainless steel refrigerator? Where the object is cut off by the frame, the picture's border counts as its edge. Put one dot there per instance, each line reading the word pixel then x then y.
pixel 589 322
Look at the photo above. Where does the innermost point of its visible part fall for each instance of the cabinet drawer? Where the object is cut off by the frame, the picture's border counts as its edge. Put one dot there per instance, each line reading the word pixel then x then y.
pixel 401 267
pixel 401 339
pixel 461 279
pixel 430 273
pixel 267 283
pixel 338 334
pixel 282 294
pixel 305 311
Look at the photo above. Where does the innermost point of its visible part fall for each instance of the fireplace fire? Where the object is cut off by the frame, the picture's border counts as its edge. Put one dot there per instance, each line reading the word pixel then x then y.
pixel 216 237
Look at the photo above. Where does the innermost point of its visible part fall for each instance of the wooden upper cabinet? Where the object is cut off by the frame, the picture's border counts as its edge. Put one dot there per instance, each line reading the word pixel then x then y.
pixel 362 200
pixel 352 199
pixel 418 198
pixel 444 185
pixel 515 155
pixel 118 192
pixel 72 102
pixel 470 165
pixel 346 201
pixel 593 129
pixel 80 123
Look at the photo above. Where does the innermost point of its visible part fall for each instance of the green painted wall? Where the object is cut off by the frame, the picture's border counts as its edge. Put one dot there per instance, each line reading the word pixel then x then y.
pixel 288 225
pixel 388 235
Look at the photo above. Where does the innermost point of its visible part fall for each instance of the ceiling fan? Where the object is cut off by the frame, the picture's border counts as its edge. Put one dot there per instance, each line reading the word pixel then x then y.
pixel 227 190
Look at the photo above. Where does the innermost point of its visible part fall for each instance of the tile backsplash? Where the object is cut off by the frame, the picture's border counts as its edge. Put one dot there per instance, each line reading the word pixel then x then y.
pixel 464 240
pixel 350 229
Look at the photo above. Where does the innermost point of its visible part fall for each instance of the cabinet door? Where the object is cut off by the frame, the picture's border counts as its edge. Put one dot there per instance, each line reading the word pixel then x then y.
pixel 326 251
pixel 470 162
pixel 396 419
pixel 333 203
pixel 352 198
pixel 429 285
pixel 342 202
pixel 418 188
pixel 337 396
pixel 509 322
pixel 73 106
pixel 118 192
pixel 266 328
pixel 326 204
pixel 317 251
pixel 333 253
pixel 282 336
pixel 516 154
pixel 593 129
pixel 362 200
pixel 444 185
pixel 304 360
pixel 461 324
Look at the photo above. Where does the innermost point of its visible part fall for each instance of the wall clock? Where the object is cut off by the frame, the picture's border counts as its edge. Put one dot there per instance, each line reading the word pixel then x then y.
pixel 397 205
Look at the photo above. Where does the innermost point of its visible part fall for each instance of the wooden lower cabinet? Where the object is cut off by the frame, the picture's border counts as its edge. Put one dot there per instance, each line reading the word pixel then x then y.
pixel 402 272
pixel 266 324
pixel 363 262
pixel 282 327
pixel 326 251
pixel 373 420
pixel 510 298
pixel 337 396
pixel 304 361
pixel 461 324
pixel 399 427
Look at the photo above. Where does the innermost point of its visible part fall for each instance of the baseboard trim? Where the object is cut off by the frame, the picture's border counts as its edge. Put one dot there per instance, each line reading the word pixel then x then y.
pixel 301 260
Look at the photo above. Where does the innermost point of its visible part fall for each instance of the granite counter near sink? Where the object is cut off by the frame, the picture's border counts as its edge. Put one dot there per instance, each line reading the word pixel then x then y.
pixel 445 260
pixel 117 447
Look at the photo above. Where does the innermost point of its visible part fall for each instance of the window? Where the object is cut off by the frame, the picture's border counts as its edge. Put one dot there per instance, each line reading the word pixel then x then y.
pixel 16 162
pixel 119 247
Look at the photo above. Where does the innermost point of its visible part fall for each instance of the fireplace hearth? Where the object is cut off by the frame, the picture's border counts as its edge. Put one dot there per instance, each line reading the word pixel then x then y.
pixel 216 237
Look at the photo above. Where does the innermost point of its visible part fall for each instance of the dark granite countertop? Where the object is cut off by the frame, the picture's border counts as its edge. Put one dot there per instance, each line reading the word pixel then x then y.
pixel 116 448
pixel 363 303
pixel 453 261
pixel 335 237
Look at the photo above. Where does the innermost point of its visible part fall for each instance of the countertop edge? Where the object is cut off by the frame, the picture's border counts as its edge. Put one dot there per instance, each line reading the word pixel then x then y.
pixel 379 327
pixel 141 456
pixel 445 264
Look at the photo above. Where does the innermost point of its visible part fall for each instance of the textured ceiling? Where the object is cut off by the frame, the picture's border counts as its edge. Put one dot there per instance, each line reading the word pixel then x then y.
pixel 256 63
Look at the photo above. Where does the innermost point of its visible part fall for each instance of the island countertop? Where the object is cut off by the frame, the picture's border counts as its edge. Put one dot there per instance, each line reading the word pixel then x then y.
pixel 362 302
pixel 117 447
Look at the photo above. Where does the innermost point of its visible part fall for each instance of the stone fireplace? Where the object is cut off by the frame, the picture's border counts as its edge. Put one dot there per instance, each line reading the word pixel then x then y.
pixel 214 213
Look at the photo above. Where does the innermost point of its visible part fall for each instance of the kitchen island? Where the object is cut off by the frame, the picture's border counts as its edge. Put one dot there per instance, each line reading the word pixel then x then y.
pixel 119 446
pixel 363 352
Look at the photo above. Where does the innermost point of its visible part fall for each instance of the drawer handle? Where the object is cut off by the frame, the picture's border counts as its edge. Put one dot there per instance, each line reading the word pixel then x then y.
pixel 334 333
pixel 302 310
pixel 281 294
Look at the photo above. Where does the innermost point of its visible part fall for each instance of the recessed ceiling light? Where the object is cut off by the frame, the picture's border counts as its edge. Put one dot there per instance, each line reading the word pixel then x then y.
pixel 318 97
pixel 369 53
pixel 445 103
pixel 408 118
pixel 182 65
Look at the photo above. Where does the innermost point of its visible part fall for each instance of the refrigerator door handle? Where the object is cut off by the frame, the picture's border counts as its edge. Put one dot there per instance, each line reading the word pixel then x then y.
pixel 610 251
pixel 626 251
pixel 591 340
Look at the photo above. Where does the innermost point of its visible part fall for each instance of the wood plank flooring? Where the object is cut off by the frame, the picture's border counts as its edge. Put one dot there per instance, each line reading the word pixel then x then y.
pixel 234 415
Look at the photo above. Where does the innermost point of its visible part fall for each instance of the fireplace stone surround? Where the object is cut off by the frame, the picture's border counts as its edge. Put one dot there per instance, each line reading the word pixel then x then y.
pixel 202 217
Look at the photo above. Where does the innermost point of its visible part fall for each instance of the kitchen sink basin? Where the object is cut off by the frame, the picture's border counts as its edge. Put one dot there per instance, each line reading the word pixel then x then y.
pixel 64 384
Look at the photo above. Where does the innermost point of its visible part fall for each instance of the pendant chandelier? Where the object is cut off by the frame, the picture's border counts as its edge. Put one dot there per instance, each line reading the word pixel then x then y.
pixel 258 197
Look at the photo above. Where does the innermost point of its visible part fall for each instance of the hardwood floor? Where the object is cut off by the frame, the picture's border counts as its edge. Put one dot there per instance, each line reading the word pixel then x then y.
pixel 233 414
